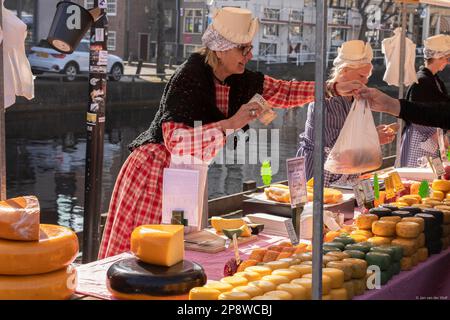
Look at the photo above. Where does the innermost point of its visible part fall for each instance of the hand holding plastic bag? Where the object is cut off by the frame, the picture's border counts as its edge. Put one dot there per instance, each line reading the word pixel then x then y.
pixel 357 148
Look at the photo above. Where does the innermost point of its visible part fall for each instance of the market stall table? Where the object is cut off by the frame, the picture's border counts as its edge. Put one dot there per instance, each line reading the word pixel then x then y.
pixel 428 280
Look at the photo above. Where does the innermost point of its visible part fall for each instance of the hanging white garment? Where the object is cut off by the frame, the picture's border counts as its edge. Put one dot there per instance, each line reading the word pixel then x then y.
pixel 18 78
pixel 391 50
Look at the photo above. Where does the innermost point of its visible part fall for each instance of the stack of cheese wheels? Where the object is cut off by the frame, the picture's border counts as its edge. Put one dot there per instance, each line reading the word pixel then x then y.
pixel 410 238
pixel 39 270
pixel 422 250
pixel 387 259
pixel 287 279
pixel 432 229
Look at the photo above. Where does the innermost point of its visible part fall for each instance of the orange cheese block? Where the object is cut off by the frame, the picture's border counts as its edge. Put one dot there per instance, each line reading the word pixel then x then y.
pixel 409 246
pixel 158 244
pixel 56 249
pixel 441 185
pixel 417 220
pixel 56 285
pixel 252 291
pixel 383 228
pixel 338 294
pixel 219 223
pixel 298 292
pixel 283 295
pixel 364 221
pixel 326 282
pixel 407 229
pixel 202 293
pixel 19 219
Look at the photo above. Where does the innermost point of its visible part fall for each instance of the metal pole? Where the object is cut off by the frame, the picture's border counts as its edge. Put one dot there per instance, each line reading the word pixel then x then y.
pixel 321 51
pixel 177 31
pixel 2 119
pixel 401 86
pixel 98 60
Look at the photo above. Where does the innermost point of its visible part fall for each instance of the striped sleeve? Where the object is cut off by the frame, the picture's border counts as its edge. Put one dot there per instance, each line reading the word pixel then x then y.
pixel 202 142
pixel 287 94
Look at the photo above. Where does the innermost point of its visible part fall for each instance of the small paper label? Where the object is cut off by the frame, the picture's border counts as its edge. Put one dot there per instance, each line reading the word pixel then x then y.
pixel 389 186
pixel 291 231
pixel 437 166
pixel 103 58
pixel 297 181
pixel 359 195
pixel 236 250
pixel 368 190
pixel 398 185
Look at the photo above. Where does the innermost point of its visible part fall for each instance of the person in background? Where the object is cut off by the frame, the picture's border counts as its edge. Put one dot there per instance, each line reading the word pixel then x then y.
pixel 353 63
pixel 212 87
pixel 436 114
pixel 419 142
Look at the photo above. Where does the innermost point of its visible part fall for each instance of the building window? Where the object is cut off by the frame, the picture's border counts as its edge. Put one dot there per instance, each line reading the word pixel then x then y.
pixel 295 32
pixel 168 18
pixel 339 16
pixel 338 36
pixel 112 40
pixel 338 3
pixel 270 30
pixel 190 49
pixel 267 48
pixel 112 6
pixel 193 21
pixel 296 16
pixel 271 14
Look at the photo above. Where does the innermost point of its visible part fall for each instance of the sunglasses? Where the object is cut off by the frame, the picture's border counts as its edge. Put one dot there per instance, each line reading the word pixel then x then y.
pixel 245 49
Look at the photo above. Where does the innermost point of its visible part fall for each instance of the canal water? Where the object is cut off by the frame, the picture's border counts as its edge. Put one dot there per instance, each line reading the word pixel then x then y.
pixel 46 157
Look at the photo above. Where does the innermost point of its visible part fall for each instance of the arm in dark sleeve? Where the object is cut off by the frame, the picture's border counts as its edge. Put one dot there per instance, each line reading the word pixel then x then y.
pixel 436 114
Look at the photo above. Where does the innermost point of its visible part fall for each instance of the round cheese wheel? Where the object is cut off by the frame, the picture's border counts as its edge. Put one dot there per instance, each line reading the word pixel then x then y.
pixel 358 238
pixel 263 285
pixel 221 286
pixel 380 212
pixel 336 275
pixel 233 295
pixel 56 285
pixel 298 292
pixel 307 256
pixel 407 229
pixel 359 286
pixel 266 298
pixel 395 219
pixel 133 277
pixel 421 239
pixel 412 210
pixel 438 214
pixel 417 220
pixel 441 185
pixel 422 254
pixel 283 295
pixel 383 228
pixel 349 287
pixel 57 248
pixel 327 259
pixel 276 279
pixel 338 294
pixel 291 274
pixel 438 195
pixel 414 259
pixel 409 245
pixel 359 267
pixel 364 233
pixel 382 260
pixel 326 282
pixel 305 283
pixel 202 293
pixel 361 246
pixel 263 271
pixel 364 221
pixel 355 254
pixel 406 263
pixel 302 269
pixel 274 265
pixel 402 214
pixel 235 281
pixel 379 241
pixel 340 255
pixel 343 265
pixel 252 291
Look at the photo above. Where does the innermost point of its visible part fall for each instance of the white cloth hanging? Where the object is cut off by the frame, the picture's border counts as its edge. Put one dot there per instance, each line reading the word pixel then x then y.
pixel 18 78
pixel 391 50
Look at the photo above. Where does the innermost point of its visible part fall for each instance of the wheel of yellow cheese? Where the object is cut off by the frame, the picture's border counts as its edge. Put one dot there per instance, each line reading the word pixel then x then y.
pixel 56 285
pixel 56 249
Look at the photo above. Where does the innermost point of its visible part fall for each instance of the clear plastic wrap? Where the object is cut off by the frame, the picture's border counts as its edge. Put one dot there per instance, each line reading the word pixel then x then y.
pixel 19 219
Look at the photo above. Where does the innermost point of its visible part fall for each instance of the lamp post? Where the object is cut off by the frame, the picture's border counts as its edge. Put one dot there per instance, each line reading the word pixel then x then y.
pixel 95 125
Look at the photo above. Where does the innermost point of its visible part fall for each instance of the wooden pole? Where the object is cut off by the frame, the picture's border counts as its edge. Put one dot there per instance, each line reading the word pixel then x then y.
pixel 2 119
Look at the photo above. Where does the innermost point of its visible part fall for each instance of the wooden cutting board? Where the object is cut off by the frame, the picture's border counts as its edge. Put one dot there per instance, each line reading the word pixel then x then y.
pixel 208 241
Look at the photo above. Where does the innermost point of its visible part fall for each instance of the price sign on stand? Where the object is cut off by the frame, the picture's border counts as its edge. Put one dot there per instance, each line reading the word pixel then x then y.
pixel 389 186
pixel 437 166
pixel 297 181
pixel 359 194
pixel 291 232
pixel 398 185
pixel 368 190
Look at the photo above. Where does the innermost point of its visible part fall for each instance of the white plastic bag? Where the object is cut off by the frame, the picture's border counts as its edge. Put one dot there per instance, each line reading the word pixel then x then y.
pixel 357 148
